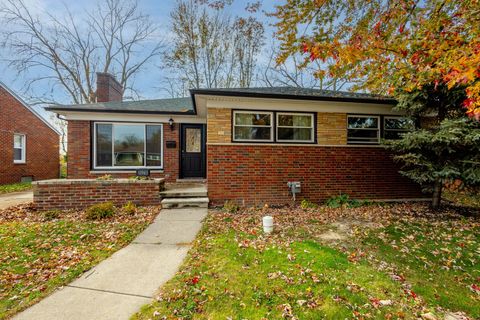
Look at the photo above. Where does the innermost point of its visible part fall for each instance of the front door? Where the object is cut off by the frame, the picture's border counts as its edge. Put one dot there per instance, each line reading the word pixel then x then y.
pixel 192 152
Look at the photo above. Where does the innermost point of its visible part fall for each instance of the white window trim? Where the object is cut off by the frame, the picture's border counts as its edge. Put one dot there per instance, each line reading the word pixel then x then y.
pixel 24 148
pixel 253 126
pixel 312 126
pixel 116 168
pixel 364 116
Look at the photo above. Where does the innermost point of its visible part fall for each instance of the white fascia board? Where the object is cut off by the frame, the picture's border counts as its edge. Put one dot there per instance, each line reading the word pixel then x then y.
pixel 31 109
pixel 249 103
pixel 129 117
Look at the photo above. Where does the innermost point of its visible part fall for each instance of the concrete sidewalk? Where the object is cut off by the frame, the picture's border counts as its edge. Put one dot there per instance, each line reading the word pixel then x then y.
pixel 121 284
pixel 15 198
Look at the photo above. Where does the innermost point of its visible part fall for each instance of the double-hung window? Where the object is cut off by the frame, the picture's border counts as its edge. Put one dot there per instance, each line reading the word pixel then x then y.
pixel 363 129
pixel 128 145
pixel 252 126
pixel 19 148
pixel 295 127
pixel 395 127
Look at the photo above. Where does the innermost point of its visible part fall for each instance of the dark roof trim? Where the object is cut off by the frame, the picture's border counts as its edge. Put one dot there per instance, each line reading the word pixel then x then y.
pixel 194 104
pixel 188 113
pixel 226 93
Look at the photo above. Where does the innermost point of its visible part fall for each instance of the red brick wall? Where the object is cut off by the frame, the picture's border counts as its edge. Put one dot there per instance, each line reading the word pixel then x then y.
pixel 42 154
pixel 78 148
pixel 78 164
pixel 79 194
pixel 259 174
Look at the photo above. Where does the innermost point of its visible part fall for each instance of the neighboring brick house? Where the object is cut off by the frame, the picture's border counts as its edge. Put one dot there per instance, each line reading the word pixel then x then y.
pixel 247 143
pixel 29 145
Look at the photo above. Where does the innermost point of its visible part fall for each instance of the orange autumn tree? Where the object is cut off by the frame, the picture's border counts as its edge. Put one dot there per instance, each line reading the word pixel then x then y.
pixel 391 46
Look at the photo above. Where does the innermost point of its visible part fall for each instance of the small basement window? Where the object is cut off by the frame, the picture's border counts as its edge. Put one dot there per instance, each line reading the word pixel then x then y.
pixel 19 148
pixel 363 129
pixel 252 126
pixel 295 127
pixel 128 145
pixel 394 127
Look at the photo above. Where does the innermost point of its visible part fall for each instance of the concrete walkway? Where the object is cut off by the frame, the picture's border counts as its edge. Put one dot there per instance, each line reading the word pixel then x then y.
pixel 15 198
pixel 121 284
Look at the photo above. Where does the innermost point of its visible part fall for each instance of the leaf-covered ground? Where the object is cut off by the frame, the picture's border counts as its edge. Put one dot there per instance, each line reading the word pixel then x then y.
pixel 397 261
pixel 40 252
pixel 468 199
pixel 15 187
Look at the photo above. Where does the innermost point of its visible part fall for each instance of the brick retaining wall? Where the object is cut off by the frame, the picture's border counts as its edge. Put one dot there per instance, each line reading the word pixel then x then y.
pixel 258 174
pixel 81 193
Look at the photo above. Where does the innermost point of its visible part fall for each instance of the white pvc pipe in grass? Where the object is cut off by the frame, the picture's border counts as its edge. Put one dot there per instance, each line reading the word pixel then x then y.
pixel 268 224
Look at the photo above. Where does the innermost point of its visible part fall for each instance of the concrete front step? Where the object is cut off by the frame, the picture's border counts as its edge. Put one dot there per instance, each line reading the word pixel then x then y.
pixel 170 203
pixel 178 193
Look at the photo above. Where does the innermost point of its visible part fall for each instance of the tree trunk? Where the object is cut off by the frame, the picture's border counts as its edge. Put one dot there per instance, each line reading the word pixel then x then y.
pixel 437 193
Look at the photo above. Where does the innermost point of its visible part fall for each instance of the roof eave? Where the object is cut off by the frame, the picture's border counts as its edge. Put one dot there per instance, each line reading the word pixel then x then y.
pixel 193 92
pixel 54 109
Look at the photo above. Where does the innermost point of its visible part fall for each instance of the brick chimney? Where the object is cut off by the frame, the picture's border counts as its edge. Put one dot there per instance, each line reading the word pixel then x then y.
pixel 108 88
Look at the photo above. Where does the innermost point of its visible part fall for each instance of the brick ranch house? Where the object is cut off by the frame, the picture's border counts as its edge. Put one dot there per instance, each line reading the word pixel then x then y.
pixel 29 145
pixel 247 143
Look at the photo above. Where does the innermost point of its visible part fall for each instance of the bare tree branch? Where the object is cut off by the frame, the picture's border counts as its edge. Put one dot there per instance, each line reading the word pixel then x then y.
pixel 115 37
pixel 210 49
pixel 295 73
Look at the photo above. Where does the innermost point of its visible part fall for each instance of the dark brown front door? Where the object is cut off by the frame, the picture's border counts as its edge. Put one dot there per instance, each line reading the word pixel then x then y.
pixel 192 151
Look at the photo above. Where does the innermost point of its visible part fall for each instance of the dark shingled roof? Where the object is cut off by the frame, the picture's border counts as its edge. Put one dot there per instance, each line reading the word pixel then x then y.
pixel 297 93
pixel 186 105
pixel 168 106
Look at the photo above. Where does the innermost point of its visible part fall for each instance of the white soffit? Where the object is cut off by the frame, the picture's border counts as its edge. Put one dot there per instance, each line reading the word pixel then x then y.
pixel 132 117
pixel 275 104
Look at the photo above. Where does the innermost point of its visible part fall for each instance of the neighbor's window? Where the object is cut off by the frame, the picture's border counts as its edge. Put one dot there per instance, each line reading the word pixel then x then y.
pixel 295 127
pixel 19 148
pixel 252 126
pixel 128 145
pixel 394 127
pixel 363 129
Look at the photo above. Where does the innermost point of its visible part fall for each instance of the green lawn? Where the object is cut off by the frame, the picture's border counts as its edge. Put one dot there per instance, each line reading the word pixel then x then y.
pixel 38 254
pixel 441 259
pixel 388 262
pixel 15 187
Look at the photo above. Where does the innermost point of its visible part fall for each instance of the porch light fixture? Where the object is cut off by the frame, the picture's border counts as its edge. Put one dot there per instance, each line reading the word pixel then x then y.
pixel 171 123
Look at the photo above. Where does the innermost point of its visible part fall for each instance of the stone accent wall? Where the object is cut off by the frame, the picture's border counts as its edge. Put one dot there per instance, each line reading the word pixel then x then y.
pixel 42 153
pixel 79 154
pixel 332 128
pixel 258 174
pixel 81 193
pixel 219 125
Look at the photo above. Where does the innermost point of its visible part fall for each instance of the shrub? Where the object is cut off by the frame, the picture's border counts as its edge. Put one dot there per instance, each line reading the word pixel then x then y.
pixel 51 215
pixel 129 208
pixel 344 200
pixel 139 178
pixel 230 206
pixel 105 177
pixel 100 211
pixel 306 204
pixel 337 201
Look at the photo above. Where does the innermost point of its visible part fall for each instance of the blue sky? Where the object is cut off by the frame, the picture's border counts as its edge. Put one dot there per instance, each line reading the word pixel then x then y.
pixel 149 81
